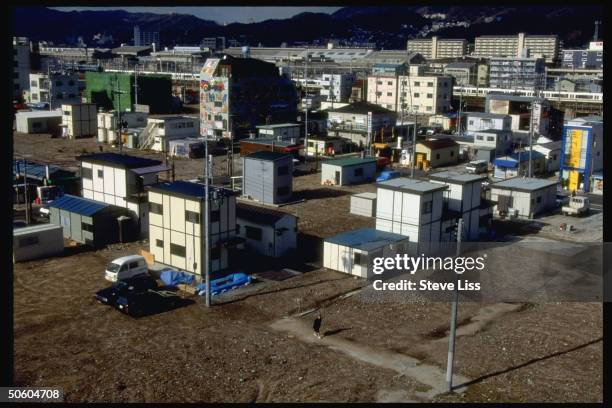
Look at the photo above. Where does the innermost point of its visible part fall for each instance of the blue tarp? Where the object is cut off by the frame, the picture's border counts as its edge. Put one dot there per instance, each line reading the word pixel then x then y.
pixel 172 278
pixel 505 163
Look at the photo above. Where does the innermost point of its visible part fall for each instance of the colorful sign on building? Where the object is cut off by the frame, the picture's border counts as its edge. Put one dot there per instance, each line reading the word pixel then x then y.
pixel 214 104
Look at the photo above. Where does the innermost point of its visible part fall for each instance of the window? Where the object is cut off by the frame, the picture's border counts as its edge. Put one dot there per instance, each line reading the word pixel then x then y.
pixel 215 216
pixel 389 93
pixel 87 227
pixel 156 208
pixel 452 154
pixel 34 97
pixel 177 250
pixel 27 241
pixel 101 173
pixel 430 84
pixel 133 265
pixel 554 157
pixel 252 233
pixel 479 137
pixel 417 83
pixel 437 156
pixel 539 200
pixel 34 84
pixel 426 207
pixel 281 191
pixel 284 170
pixel 356 258
pixel 191 216
pixel 430 96
pixel 86 173
pixel 389 83
pixel 159 243
pixel 379 82
pixel 471 122
pixel 490 139
pixel 416 94
pixel 66 113
pixel 378 93
pixel 429 108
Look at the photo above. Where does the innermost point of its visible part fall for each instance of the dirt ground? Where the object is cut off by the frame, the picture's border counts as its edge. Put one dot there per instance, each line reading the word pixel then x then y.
pixel 255 344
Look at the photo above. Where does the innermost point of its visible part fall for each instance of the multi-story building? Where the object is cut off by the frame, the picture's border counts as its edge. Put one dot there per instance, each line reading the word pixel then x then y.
pixel 581 153
pixel 237 94
pixel 416 92
pixel 516 73
pixel 336 87
pixel 477 121
pixel 214 43
pixel 21 65
pixel 464 73
pixel 145 38
pixel 434 47
pixel 591 58
pixel 57 89
pixel 360 122
pixel 544 46
pixel 176 226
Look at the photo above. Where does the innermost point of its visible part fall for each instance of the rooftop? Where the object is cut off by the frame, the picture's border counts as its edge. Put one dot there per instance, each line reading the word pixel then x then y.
pixel 525 184
pixel 456 177
pixel 189 189
pixel 362 107
pixel 411 185
pixel 35 228
pixel 369 196
pixel 279 143
pixel 38 170
pixel 350 161
pixel 486 115
pixel 366 239
pixel 550 145
pixel 461 65
pixel 121 160
pixel 495 131
pixel 268 156
pixel 79 205
pixel 278 125
pixel 259 215
pixel 40 114
pixel 438 143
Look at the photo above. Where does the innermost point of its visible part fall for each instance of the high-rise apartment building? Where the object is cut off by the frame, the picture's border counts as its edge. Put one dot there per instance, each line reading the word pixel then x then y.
pixel 545 46
pixel 434 47
pixel 145 38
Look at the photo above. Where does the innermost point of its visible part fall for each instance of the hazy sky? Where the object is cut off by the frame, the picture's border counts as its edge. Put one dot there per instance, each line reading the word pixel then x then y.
pixel 220 14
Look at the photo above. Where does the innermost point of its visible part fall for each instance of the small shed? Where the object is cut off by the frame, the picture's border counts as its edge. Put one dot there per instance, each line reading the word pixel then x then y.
pixel 37 241
pixel 92 222
pixel 347 171
pixel 268 177
pixel 436 152
pixel 523 197
pixel 265 231
pixel 280 131
pixel 38 121
pixel 79 120
pixel 517 164
pixel 364 204
pixel 352 252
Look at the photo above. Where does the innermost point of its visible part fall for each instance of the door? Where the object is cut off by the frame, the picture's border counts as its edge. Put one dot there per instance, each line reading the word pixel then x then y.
pixel 337 178
pixel 420 159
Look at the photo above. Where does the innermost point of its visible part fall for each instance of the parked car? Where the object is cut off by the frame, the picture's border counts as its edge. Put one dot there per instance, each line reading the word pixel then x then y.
pixel 388 175
pixel 109 295
pixel 577 205
pixel 477 166
pixel 148 302
pixel 44 211
pixel 126 267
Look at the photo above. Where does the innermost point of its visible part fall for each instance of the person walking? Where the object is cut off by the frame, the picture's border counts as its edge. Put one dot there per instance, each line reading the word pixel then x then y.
pixel 316 325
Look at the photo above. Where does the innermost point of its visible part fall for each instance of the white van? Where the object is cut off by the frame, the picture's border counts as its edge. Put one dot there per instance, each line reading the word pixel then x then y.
pixel 477 166
pixel 126 267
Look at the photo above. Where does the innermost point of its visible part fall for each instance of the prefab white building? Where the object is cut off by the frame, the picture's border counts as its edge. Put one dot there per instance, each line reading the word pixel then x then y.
pixel 79 120
pixel 463 198
pixel 280 131
pixel 352 170
pixel 268 177
pixel 38 121
pixel 119 179
pixel 265 231
pixel 363 204
pixel 477 121
pixel 37 241
pixel 108 124
pixel 159 131
pixel 552 155
pixel 412 208
pixel 176 226
pixel 353 252
pixel 523 197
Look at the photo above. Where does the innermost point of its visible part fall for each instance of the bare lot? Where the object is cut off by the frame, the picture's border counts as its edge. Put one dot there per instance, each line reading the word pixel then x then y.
pixel 256 345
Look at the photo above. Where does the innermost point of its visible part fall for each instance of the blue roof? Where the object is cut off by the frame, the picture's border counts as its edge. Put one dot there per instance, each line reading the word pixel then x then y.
pixel 512 159
pixel 188 189
pixel 78 205
pixel 365 239
pixel 122 160
pixel 37 170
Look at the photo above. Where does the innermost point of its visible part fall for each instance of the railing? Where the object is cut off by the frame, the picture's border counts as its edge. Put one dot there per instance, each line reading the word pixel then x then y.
pixel 146 138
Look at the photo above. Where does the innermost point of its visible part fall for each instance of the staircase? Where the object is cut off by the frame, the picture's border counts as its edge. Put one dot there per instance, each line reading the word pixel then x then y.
pixel 146 138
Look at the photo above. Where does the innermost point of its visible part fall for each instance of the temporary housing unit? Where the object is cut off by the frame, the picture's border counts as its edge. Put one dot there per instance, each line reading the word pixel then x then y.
pixel 37 241
pixel 280 131
pixel 326 146
pixel 267 177
pixel 347 171
pixel 552 155
pixel 161 130
pixel 463 198
pixel 523 197
pixel 353 252
pixel 499 140
pixel 412 208
pixel 265 231
pixel 108 124
pixel 39 121
pixel 517 164
pixel 436 152
pixel 478 121
pixel 119 179
pixel 79 120
pixel 176 225
pixel 364 204
pixel 188 148
pixel 92 222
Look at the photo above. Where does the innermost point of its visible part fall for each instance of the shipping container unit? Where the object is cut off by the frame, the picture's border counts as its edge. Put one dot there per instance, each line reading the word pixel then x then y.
pixel 281 131
pixel 79 120
pixel 267 177
pixel 265 231
pixel 37 241
pixel 523 197
pixel 353 252
pixel 176 226
pixel 412 208
pixel 463 199
pixel 111 90
pixel 352 170
pixel 364 204
pixel 248 146
pixel 39 122
pixel 91 222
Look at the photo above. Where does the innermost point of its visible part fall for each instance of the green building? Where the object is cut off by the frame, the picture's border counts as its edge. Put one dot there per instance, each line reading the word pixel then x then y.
pixel 112 90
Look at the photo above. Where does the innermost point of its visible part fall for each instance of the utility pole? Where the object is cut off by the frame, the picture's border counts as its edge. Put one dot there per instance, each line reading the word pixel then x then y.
pixel 25 191
pixel 306 108
pixel 136 83
pixel 206 221
pixel 453 322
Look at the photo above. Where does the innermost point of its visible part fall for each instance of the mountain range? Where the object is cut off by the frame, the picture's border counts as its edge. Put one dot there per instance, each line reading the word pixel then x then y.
pixel 388 27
